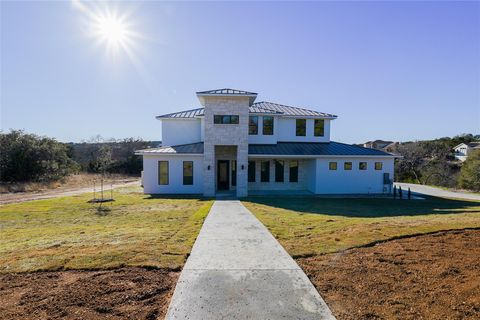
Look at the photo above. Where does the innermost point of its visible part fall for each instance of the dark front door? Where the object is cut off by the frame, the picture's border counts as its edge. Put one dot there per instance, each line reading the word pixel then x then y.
pixel 222 175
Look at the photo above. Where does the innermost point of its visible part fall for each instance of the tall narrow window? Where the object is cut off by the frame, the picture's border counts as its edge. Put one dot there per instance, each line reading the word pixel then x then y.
pixel 293 171
pixel 234 172
pixel 378 165
pixel 163 172
pixel 362 166
pixel 265 171
pixel 187 173
pixel 268 125
pixel 301 127
pixel 253 125
pixel 332 166
pixel 251 171
pixel 319 128
pixel 279 165
pixel 347 166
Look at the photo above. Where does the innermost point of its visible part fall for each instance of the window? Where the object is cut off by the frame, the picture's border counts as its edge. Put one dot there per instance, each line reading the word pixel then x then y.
pixel 268 126
pixel 163 172
pixel 279 165
pixel 332 166
pixel 251 171
pixel 378 165
pixel 226 119
pixel 265 171
pixel 319 129
pixel 293 171
pixel 301 127
pixel 362 166
pixel 253 125
pixel 234 172
pixel 347 166
pixel 187 172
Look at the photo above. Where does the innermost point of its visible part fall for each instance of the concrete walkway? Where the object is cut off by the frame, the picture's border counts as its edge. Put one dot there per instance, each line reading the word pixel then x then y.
pixel 437 192
pixel 238 270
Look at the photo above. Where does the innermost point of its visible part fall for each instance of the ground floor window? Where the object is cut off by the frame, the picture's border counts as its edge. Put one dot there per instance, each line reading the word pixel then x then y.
pixel 332 166
pixel 163 172
pixel 362 166
pixel 279 165
pixel 378 165
pixel 234 172
pixel 265 171
pixel 187 172
pixel 251 171
pixel 347 166
pixel 293 171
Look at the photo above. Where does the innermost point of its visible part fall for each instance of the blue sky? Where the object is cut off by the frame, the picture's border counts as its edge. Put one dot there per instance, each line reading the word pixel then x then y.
pixel 390 70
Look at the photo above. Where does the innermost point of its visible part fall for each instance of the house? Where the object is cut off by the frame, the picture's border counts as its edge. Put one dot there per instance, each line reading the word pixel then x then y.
pixel 234 144
pixel 377 144
pixel 463 150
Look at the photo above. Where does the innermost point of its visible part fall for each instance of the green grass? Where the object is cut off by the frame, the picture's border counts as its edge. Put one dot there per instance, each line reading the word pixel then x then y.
pixel 312 226
pixel 70 233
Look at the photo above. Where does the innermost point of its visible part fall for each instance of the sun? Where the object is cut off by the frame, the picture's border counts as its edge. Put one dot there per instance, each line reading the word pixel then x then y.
pixel 112 30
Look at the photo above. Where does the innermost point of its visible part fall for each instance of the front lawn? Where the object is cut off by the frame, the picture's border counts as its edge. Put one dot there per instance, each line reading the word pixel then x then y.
pixel 70 233
pixel 311 226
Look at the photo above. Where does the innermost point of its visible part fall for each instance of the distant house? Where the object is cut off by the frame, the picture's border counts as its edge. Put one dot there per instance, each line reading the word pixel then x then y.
pixel 377 144
pixel 463 149
pixel 234 144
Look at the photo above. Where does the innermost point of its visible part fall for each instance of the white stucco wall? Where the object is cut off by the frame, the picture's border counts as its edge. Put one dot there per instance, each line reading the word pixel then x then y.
pixel 181 131
pixel 175 185
pixel 354 181
pixel 287 131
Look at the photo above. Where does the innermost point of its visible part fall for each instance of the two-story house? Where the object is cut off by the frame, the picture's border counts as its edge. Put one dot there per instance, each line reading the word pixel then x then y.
pixel 464 149
pixel 233 143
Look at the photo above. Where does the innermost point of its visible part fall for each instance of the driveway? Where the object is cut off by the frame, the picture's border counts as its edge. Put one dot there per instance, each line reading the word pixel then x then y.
pixel 437 192
pixel 238 270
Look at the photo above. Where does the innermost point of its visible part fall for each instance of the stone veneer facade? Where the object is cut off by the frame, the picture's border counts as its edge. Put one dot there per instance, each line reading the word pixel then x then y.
pixel 235 135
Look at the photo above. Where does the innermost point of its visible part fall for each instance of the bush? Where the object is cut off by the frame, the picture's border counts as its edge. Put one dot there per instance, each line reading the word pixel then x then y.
pixel 470 172
pixel 28 157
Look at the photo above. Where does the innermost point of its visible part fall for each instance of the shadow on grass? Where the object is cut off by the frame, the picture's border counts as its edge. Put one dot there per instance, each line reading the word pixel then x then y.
pixel 177 197
pixel 369 208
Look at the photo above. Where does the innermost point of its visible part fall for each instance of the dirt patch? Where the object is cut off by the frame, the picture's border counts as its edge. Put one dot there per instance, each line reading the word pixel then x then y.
pixel 433 276
pixel 127 293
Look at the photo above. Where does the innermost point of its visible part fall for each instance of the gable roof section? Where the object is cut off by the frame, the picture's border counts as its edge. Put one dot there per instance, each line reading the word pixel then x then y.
pixel 258 107
pixel 311 149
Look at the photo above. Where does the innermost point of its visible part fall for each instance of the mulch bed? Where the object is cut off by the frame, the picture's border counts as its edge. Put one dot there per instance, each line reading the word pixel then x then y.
pixel 434 276
pixel 126 293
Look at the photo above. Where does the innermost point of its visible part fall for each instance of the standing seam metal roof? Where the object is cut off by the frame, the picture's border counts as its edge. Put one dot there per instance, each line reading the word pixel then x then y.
pixel 227 91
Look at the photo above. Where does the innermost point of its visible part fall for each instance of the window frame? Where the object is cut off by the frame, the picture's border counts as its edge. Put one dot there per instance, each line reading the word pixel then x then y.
pixel 266 177
pixel 252 171
pixel 254 125
pixel 360 165
pixel 264 126
pixel 187 180
pixel 159 168
pixel 347 164
pixel 290 167
pixel 317 121
pixel 226 119
pixel 376 166
pixel 301 127
pixel 332 165
pixel 279 172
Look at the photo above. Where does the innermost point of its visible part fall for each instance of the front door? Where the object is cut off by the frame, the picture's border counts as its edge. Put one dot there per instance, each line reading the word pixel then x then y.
pixel 222 175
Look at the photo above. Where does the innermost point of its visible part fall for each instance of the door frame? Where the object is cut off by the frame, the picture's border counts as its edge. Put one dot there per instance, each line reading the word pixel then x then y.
pixel 227 162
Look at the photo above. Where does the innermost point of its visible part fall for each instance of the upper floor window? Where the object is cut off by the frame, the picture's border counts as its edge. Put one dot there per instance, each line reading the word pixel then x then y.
pixel 301 127
pixel 225 119
pixel 319 128
pixel 187 172
pixel 268 125
pixel 347 166
pixel 163 172
pixel 253 125
pixel 362 166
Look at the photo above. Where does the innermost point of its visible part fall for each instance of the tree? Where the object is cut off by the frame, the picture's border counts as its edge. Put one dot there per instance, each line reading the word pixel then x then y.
pixel 470 172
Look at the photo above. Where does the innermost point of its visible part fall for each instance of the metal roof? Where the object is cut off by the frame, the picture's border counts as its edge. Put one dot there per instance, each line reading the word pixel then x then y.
pixel 281 148
pixel 313 149
pixel 227 91
pixel 258 107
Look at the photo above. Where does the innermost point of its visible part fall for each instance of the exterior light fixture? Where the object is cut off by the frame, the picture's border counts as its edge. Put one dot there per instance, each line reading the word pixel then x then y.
pixel 243 167
pixel 208 168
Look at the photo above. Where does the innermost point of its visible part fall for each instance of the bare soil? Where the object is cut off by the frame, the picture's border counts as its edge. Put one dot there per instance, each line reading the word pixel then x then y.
pixel 126 293
pixel 435 276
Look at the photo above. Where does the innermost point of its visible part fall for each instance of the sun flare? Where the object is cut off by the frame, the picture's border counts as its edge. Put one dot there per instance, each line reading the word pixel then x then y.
pixel 112 30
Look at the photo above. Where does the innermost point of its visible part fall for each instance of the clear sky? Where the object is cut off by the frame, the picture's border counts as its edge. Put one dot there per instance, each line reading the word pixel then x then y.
pixel 389 70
